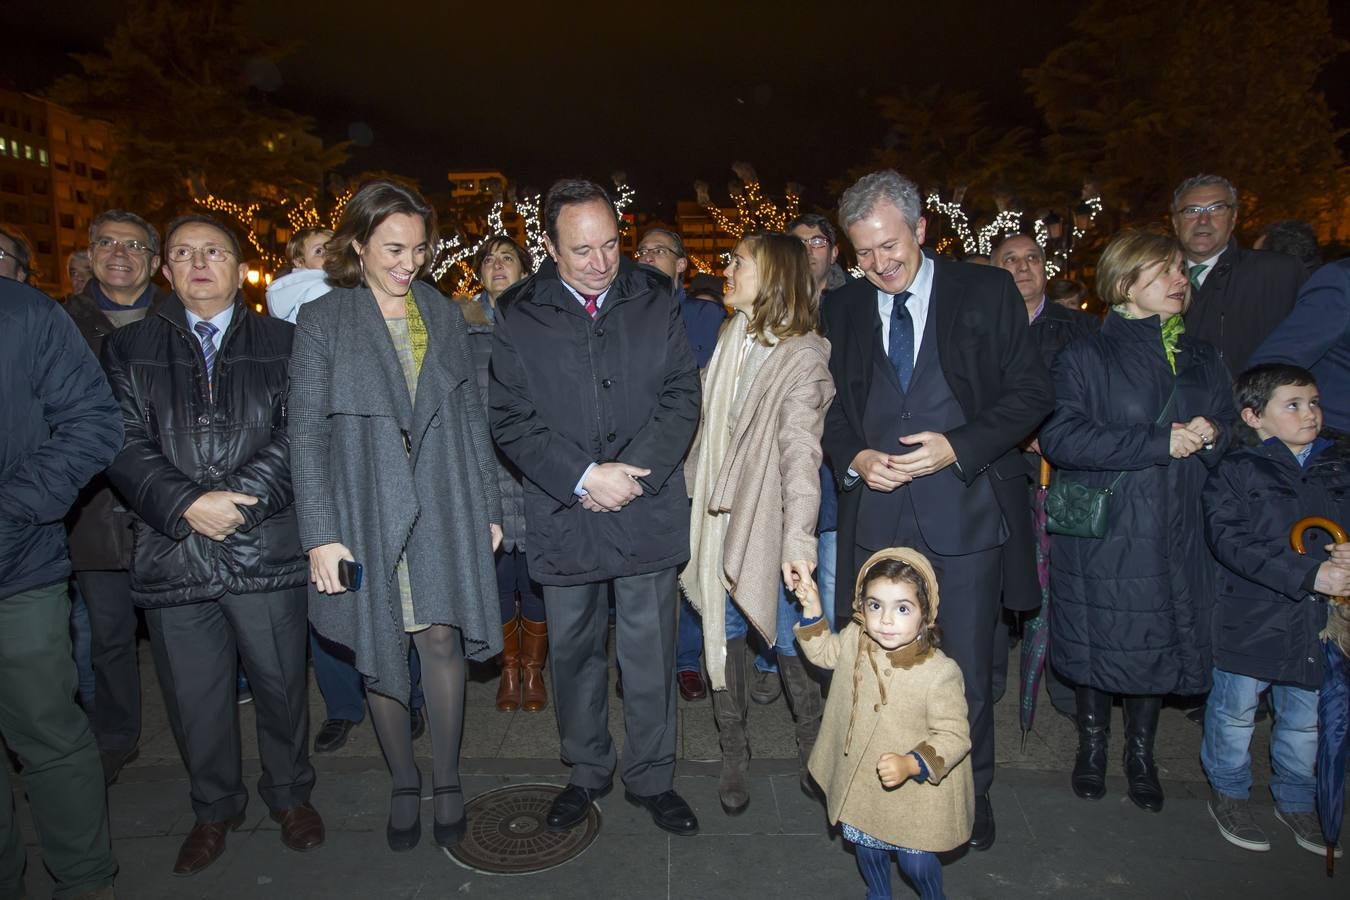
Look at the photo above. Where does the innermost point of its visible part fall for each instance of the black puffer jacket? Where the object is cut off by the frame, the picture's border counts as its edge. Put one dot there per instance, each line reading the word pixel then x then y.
pixel 1267 618
pixel 1131 612
pixel 181 443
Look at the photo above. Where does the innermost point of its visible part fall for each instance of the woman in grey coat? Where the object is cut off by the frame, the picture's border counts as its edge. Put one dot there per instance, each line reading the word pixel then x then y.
pixel 394 469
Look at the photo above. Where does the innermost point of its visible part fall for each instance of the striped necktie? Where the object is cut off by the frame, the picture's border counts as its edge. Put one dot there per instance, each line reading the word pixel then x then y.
pixel 590 301
pixel 208 335
pixel 1195 272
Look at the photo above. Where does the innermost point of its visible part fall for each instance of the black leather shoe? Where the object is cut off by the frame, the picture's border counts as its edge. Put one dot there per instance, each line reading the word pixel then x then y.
pixel 669 811
pixel 332 735
pixel 402 840
pixel 569 808
pixel 1093 718
pixel 982 835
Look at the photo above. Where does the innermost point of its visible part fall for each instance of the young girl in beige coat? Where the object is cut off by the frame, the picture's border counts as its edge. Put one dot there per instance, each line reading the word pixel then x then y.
pixel 893 751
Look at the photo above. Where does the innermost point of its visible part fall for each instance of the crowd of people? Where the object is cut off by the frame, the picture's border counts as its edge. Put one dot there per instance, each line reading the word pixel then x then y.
pixel 762 489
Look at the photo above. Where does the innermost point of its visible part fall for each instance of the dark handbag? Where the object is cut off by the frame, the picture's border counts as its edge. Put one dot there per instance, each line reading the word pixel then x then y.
pixel 1077 510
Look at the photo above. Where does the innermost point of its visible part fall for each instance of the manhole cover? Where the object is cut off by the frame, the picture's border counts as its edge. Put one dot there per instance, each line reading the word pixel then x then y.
pixel 507 834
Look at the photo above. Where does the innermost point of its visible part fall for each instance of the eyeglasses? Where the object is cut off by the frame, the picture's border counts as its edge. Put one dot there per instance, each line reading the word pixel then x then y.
pixel 6 254
pixel 1195 212
pixel 182 253
pixel 112 245
pixel 655 250
pixel 816 241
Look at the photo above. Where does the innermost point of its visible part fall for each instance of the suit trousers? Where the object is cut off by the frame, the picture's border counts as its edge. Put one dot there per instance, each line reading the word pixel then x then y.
pixel 645 610
pixel 968 613
pixel 112 651
pixel 47 731
pixel 195 649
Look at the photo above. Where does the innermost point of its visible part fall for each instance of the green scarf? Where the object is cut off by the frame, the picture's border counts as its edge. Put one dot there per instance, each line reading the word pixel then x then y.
pixel 1172 330
pixel 417 332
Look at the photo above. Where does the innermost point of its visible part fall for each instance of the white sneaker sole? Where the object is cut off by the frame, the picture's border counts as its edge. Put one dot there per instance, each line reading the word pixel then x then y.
pixel 1310 846
pixel 1254 846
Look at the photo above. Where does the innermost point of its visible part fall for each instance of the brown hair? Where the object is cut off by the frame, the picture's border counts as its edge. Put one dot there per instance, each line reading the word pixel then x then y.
pixel 295 247
pixel 786 303
pixel 901 572
pixel 503 240
pixel 371 205
pixel 1129 253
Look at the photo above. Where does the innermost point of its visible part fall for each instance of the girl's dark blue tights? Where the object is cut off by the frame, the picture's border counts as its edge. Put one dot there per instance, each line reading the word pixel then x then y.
pixel 922 869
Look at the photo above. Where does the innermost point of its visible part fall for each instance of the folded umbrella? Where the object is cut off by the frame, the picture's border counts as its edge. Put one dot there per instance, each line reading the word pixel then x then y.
pixel 1036 632
pixel 1333 701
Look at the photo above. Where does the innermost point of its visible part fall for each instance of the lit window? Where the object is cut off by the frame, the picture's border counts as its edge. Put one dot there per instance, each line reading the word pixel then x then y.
pixel 4 146
pixel 42 157
pixel 27 151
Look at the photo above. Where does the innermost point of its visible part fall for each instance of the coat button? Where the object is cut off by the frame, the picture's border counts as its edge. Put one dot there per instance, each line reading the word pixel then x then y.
pixel 203 420
pixel 606 383
pixel 876 707
pixel 599 332
pixel 906 415
pixel 611 437
pixel 212 471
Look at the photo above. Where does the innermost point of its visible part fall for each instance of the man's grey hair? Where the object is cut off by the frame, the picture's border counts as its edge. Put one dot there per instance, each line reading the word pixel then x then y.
pixel 674 239
pixel 1199 181
pixel 126 218
pixel 888 185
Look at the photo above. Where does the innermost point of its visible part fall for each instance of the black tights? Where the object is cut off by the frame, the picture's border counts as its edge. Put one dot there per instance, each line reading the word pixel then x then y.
pixel 441 650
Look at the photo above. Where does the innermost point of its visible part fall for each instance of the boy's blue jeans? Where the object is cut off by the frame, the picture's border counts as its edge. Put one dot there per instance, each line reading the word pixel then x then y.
pixel 1225 752
pixel 784 641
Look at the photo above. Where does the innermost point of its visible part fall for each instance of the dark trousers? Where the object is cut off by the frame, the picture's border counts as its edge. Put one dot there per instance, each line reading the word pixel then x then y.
pixel 645 621
pixel 112 651
pixel 513 577
pixel 195 649
pixel 42 724
pixel 342 687
pixel 967 616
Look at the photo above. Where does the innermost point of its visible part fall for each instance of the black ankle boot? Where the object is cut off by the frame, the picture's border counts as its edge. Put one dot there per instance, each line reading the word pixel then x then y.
pixel 1093 716
pixel 1141 775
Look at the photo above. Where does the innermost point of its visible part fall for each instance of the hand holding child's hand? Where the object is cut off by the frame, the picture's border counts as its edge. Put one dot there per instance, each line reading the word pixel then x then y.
pixel 894 769
pixel 807 594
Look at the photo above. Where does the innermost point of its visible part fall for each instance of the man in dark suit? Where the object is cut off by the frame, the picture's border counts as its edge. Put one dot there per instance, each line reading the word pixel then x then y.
pixel 937 383
pixel 595 398
pixel 1238 296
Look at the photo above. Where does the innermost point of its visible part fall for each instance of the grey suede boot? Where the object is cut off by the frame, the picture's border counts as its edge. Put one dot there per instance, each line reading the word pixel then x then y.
pixel 804 697
pixel 730 707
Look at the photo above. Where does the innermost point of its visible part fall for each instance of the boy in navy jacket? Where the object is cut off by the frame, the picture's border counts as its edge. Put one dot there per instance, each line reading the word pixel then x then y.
pixel 1271 602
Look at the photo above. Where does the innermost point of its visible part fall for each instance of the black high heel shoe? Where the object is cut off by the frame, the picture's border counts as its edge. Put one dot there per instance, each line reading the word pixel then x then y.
pixel 448 836
pixel 402 840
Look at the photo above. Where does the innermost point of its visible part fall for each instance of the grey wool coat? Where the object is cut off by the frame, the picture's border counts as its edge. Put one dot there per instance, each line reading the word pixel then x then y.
pixel 384 477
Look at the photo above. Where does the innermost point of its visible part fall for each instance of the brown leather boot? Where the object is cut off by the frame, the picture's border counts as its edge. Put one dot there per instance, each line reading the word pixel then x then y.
pixel 508 691
pixel 533 650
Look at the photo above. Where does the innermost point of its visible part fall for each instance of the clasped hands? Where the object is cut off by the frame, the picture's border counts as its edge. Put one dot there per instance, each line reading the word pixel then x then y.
pixel 887 471
pixel 611 486
pixel 216 514
pixel 1192 437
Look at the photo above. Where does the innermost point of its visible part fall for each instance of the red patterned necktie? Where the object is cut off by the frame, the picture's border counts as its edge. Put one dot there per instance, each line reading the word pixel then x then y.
pixel 590 304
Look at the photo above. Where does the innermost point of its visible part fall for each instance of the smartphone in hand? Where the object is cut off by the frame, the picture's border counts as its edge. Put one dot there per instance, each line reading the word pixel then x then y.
pixel 349 574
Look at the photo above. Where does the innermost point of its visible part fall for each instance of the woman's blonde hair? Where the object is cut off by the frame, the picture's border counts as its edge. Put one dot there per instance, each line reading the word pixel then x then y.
pixel 786 303
pixel 1129 253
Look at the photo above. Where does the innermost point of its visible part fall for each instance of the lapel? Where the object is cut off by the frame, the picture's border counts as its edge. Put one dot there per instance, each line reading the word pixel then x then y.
pixel 378 375
pixel 944 302
pixel 439 374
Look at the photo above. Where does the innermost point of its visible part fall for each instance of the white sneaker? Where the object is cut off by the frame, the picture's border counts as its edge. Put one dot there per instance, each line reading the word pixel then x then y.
pixel 1307 831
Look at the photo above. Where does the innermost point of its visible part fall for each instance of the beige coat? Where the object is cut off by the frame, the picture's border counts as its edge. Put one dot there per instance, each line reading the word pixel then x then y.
pixel 768 484
pixel 908 700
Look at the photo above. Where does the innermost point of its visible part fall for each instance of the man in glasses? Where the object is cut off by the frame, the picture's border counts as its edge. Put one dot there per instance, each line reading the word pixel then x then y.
pixel 1238 296
pixel 663 250
pixel 15 257
pixel 123 255
pixel 217 566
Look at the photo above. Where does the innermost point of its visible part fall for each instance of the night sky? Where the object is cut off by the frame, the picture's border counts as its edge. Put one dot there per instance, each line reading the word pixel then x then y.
pixel 666 92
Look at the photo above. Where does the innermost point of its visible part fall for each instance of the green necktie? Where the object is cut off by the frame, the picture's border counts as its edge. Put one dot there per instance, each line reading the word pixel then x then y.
pixel 1194 274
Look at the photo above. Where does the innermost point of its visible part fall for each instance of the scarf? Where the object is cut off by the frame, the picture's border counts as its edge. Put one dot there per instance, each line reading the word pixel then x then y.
pixel 1172 330
pixel 704 578
pixel 417 332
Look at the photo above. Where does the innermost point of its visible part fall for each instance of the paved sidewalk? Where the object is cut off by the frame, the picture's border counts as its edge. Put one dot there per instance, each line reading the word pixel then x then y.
pixel 1050 844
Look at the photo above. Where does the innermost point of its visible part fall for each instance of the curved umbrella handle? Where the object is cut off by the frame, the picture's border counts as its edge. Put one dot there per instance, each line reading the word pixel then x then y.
pixel 1045 473
pixel 1337 534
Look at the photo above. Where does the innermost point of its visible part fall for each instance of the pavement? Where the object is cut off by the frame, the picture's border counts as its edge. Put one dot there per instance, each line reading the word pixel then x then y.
pixel 1050 843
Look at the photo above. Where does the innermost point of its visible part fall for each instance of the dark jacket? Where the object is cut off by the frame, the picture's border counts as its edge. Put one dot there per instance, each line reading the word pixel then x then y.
pixel 568 391
pixel 1056 326
pixel 99 523
pixel 1267 617
pixel 1131 611
pixel 1316 336
pixel 181 442
pixel 1242 300
pixel 58 428
pixel 994 372
pixel 702 323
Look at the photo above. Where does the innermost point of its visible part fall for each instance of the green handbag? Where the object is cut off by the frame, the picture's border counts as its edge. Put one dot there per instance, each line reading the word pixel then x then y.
pixel 1077 510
